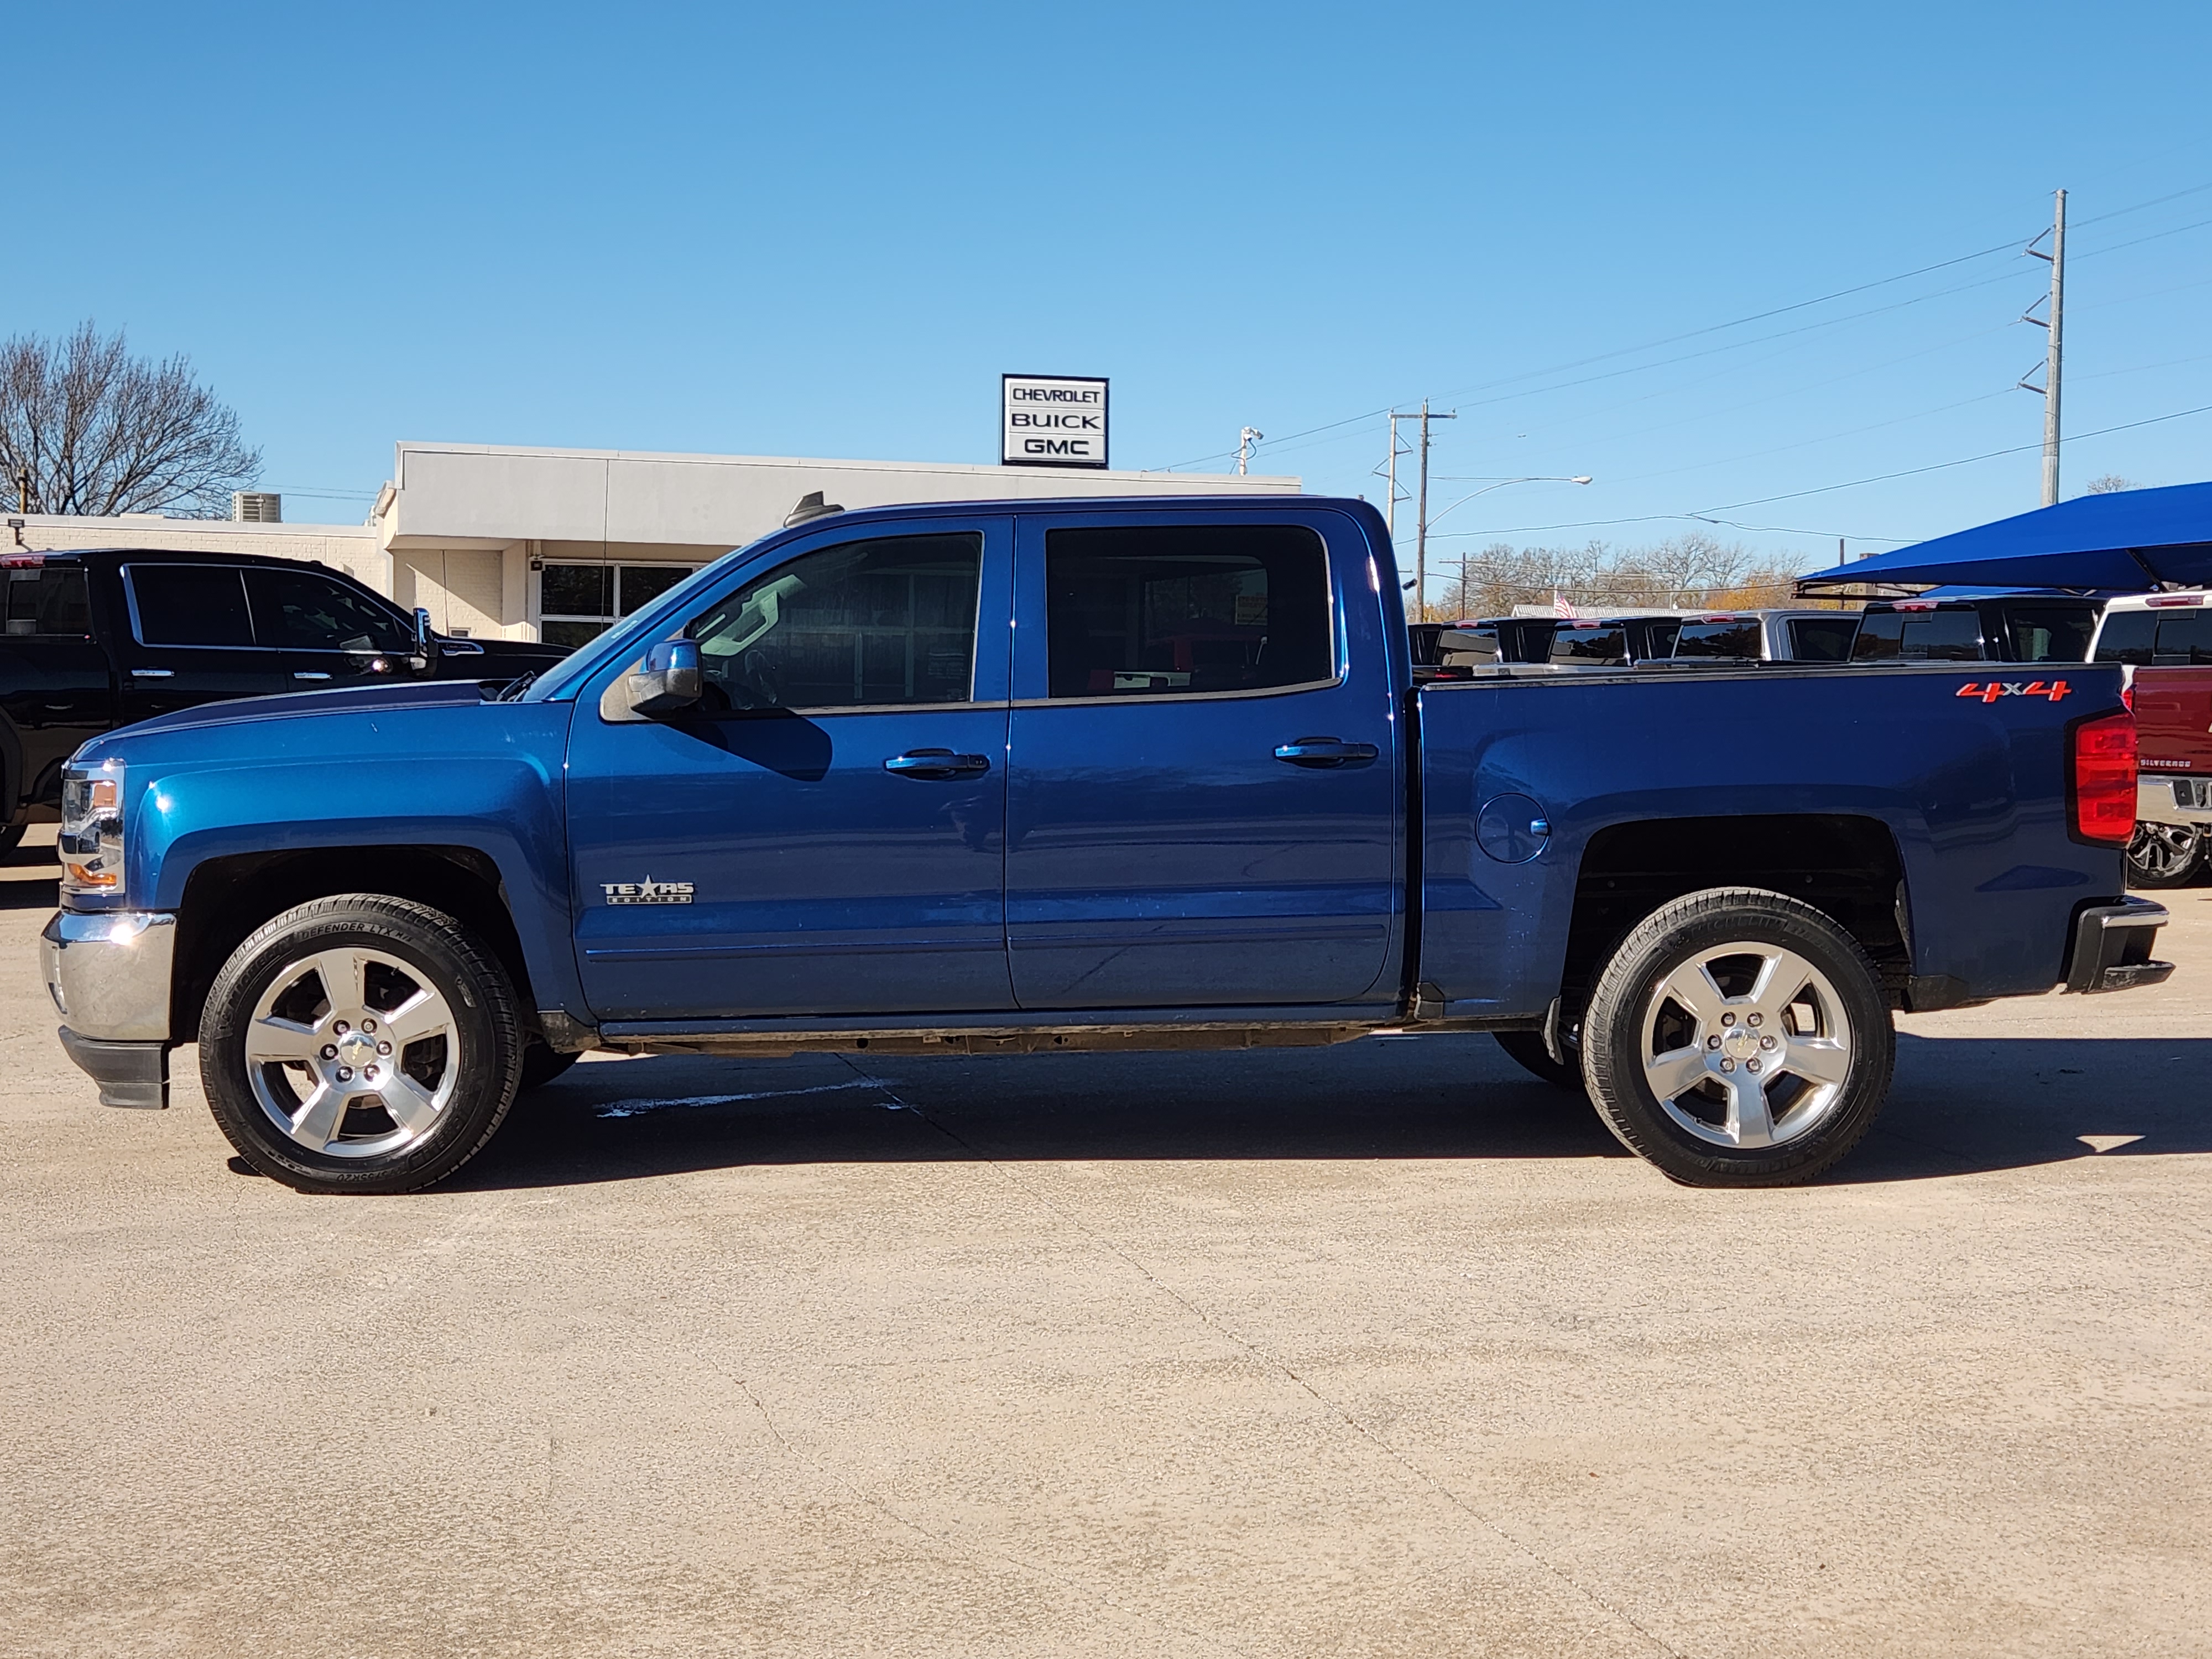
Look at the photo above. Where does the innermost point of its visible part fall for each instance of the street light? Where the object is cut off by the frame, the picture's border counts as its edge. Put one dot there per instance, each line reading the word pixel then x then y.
pixel 1422 606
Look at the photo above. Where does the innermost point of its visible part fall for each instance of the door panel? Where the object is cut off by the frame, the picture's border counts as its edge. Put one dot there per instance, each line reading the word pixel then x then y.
pixel 191 640
pixel 831 821
pixel 1181 831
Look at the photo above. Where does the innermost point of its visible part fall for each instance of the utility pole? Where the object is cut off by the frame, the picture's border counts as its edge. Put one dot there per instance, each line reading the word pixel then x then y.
pixel 1421 508
pixel 1245 439
pixel 2057 329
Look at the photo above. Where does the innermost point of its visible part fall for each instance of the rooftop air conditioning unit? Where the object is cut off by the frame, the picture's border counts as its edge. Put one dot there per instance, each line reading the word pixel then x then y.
pixel 257 506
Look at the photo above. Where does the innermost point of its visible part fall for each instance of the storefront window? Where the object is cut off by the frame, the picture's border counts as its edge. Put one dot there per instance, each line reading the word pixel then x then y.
pixel 578 603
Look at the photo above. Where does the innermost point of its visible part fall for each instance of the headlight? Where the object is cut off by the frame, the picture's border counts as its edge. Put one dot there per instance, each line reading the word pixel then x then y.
pixel 91 844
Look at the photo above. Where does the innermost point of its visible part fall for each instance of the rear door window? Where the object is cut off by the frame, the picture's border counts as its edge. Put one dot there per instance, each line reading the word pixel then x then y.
pixel 1822 639
pixel 1918 636
pixel 1607 645
pixel 2127 636
pixel 1737 639
pixel 190 604
pixel 2046 636
pixel 2183 637
pixel 48 601
pixel 1185 609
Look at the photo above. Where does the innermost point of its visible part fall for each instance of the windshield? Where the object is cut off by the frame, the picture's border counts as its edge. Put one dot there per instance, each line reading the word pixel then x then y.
pixel 664 617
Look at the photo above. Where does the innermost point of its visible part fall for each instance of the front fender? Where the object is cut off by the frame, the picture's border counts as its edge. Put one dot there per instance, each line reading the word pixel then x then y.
pixel 486 777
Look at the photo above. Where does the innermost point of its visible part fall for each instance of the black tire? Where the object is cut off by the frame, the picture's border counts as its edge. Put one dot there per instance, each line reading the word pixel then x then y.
pixel 2165 854
pixel 470 1069
pixel 1529 1052
pixel 12 837
pixel 541 1064
pixel 1817 1123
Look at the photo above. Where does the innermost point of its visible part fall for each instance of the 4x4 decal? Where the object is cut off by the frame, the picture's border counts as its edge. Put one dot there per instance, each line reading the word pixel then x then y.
pixel 1990 691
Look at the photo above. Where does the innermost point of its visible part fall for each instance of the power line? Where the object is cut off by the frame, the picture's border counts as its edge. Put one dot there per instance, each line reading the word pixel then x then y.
pixel 1799 494
pixel 1938 467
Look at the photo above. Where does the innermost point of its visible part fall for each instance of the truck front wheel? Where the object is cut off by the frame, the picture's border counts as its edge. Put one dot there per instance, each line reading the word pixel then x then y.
pixel 1738 1038
pixel 361 1044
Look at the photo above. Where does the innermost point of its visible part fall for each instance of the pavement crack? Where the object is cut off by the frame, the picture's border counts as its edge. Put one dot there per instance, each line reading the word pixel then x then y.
pixel 961 1550
pixel 1284 1369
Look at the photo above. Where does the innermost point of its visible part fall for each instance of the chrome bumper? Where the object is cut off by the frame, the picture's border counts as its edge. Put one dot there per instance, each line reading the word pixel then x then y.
pixel 2174 800
pixel 109 977
pixel 2112 947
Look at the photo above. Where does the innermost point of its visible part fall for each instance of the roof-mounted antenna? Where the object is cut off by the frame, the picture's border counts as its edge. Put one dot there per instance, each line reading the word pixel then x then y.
pixel 810 506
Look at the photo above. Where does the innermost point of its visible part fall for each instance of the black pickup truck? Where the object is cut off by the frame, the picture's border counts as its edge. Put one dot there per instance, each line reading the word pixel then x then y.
pixel 99 639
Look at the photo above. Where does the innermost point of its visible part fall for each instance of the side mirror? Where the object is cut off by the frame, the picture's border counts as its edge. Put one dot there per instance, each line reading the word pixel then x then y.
pixel 426 641
pixel 668 679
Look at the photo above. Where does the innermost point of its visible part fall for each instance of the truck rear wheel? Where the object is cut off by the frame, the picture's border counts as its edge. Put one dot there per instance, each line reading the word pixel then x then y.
pixel 2165 854
pixel 1738 1038
pixel 361 1044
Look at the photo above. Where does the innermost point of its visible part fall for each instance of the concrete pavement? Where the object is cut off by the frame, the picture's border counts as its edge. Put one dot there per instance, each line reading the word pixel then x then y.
pixel 1384 1350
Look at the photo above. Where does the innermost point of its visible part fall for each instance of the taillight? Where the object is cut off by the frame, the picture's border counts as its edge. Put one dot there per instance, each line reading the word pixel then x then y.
pixel 2105 779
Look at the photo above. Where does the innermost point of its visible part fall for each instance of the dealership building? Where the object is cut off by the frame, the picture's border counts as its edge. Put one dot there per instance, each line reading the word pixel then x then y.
pixel 523 544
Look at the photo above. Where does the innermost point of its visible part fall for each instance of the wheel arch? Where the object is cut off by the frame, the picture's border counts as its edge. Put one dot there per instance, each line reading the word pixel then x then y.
pixel 1848 867
pixel 226 898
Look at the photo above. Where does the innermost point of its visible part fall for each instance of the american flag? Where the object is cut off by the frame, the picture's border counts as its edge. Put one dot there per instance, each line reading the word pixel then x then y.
pixel 1560 606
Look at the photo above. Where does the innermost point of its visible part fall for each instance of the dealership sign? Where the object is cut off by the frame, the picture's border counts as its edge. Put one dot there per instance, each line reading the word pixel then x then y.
pixel 1049 420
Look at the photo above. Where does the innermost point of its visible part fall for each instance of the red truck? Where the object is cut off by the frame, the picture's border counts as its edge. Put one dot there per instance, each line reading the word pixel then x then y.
pixel 2164 643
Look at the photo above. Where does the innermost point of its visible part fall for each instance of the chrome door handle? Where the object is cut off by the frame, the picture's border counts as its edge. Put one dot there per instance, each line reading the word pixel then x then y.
pixel 936 763
pixel 153 673
pixel 303 676
pixel 1325 751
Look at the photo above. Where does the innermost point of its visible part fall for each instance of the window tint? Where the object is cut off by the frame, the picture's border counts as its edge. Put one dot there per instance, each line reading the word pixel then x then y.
pixel 1822 639
pixel 1470 647
pixel 303 610
pixel 1586 645
pixel 2050 636
pixel 1736 640
pixel 888 620
pixel 2183 637
pixel 190 604
pixel 2126 636
pixel 1141 611
pixel 1523 640
pixel 1918 636
pixel 48 601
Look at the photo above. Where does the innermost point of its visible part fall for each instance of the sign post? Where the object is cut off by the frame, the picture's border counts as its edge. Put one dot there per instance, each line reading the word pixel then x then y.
pixel 1052 420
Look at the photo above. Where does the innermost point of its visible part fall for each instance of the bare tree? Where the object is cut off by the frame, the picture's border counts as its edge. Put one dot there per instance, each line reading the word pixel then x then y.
pixel 98 431
pixel 1681 573
pixel 2111 484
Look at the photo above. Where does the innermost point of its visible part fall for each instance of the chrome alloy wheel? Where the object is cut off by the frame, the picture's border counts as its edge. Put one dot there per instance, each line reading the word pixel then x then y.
pixel 1747 1045
pixel 2159 850
pixel 352 1053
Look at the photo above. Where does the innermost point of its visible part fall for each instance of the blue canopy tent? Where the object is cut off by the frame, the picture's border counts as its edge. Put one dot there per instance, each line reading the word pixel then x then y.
pixel 2129 541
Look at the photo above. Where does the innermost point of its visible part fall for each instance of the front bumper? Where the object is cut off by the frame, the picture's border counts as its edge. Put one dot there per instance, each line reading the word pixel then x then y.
pixel 2112 947
pixel 109 975
pixel 2174 800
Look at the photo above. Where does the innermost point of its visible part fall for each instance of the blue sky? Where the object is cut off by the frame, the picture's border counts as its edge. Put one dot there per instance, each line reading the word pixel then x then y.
pixel 827 230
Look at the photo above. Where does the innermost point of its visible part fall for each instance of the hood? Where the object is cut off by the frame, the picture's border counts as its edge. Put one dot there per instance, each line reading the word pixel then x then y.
pixel 345 700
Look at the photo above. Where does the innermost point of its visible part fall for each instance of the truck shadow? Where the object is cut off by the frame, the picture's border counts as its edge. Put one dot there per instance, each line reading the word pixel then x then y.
pixel 29 877
pixel 1960 1106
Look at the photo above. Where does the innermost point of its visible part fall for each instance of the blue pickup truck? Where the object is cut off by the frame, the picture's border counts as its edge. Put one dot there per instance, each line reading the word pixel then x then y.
pixel 1118 774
